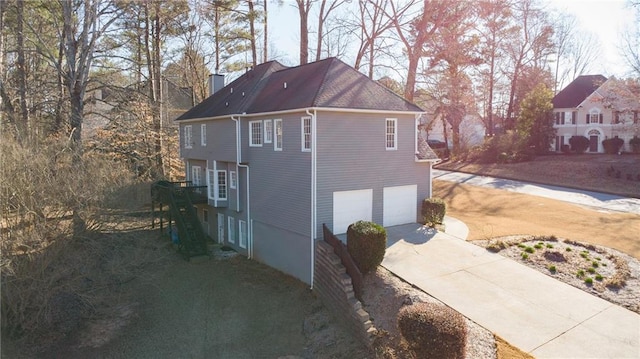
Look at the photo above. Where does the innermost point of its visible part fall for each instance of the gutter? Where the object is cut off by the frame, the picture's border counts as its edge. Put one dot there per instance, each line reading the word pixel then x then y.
pixel 308 109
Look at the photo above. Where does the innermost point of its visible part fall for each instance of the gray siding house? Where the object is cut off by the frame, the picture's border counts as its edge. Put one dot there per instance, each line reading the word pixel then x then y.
pixel 285 150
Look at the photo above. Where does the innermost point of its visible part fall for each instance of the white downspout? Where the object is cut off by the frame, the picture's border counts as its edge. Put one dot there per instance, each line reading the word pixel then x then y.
pixel 238 166
pixel 238 157
pixel 313 188
pixel 249 223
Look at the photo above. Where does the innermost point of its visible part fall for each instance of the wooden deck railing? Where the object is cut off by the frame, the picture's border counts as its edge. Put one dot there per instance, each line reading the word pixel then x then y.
pixel 340 249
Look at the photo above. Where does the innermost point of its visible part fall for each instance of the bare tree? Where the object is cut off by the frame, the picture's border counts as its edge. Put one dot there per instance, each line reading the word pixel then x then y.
pixel 304 6
pixel 323 16
pixel 371 25
pixel 530 49
pixel 495 30
pixel 631 40
pixel 24 127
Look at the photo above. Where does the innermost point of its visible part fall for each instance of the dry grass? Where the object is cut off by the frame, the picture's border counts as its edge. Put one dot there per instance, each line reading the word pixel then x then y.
pixel 587 171
pixel 58 254
pixel 508 351
pixel 491 213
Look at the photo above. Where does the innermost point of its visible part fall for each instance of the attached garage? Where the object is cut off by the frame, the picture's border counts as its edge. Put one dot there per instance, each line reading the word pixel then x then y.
pixel 400 205
pixel 351 206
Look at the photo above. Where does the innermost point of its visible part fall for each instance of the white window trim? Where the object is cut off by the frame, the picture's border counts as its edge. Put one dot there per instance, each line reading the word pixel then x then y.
pixel 217 185
pixel 268 131
pixel 277 123
pixel 395 134
pixel 188 136
pixel 231 229
pixel 303 134
pixel 252 138
pixel 242 231
pixel 203 134
pixel 233 180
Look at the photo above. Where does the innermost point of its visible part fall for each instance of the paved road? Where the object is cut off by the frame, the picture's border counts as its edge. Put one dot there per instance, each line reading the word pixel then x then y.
pixel 598 200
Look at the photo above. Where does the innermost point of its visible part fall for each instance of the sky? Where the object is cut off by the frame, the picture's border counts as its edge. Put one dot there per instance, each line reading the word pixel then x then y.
pixel 605 18
pixel 608 20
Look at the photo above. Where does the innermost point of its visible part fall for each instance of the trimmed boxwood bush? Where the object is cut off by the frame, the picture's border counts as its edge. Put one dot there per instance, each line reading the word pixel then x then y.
pixel 612 145
pixel 366 243
pixel 579 144
pixel 433 211
pixel 635 144
pixel 433 330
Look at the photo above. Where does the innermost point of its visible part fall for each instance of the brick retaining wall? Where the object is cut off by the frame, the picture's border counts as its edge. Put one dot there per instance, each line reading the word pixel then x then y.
pixel 333 286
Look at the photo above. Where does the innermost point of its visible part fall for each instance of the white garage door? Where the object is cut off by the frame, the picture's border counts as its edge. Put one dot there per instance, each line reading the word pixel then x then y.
pixel 351 206
pixel 400 205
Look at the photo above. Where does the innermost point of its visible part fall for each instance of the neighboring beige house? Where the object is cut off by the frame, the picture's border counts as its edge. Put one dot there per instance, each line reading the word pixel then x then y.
pixel 101 103
pixel 597 108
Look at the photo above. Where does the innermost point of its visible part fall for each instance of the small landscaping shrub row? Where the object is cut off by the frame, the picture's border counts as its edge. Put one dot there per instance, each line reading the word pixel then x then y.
pixel 433 330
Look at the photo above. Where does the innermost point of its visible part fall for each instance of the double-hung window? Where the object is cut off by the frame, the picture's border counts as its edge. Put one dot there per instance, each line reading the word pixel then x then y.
pixel 203 134
pixel 391 134
pixel 306 134
pixel 594 116
pixel 233 180
pixel 211 184
pixel 188 136
pixel 255 133
pixel 221 185
pixel 196 175
pixel 268 131
pixel 277 143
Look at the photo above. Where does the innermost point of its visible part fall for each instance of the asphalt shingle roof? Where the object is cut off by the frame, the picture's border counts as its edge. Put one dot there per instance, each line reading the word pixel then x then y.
pixel 577 91
pixel 328 83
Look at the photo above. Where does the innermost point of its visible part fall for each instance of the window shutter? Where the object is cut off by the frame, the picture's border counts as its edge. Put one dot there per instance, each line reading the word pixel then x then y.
pixel 587 118
pixel 600 117
pixel 573 117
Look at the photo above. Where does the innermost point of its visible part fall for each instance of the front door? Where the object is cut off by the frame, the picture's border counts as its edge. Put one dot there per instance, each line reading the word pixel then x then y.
pixel 220 228
pixel 593 143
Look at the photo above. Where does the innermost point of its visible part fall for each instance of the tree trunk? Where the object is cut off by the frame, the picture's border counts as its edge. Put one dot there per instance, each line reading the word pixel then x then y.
pixel 320 30
pixel 265 54
pixel 157 101
pixel 252 33
pixel 411 76
pixel 23 127
pixel 303 10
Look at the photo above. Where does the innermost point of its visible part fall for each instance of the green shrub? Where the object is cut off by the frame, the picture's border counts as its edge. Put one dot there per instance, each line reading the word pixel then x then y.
pixel 433 211
pixel 433 330
pixel 553 269
pixel 635 144
pixel 529 250
pixel 612 145
pixel 366 243
pixel 588 281
pixel 579 144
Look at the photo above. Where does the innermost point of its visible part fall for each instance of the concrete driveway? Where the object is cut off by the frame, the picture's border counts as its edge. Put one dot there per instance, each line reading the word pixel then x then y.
pixel 586 198
pixel 532 311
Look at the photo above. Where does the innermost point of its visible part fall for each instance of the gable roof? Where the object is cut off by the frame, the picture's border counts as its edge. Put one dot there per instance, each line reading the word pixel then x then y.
pixel 270 87
pixel 577 91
